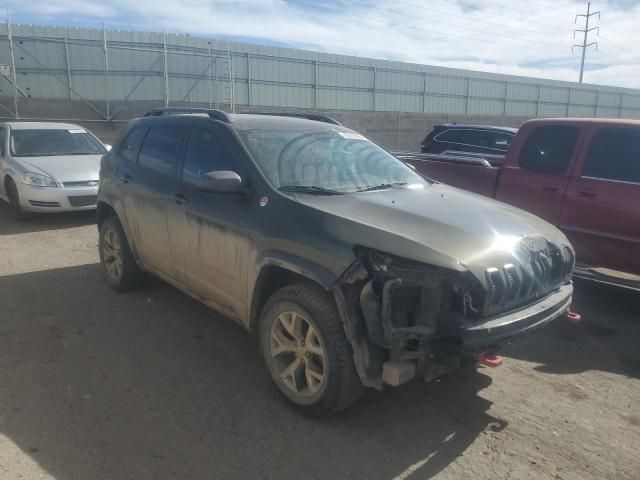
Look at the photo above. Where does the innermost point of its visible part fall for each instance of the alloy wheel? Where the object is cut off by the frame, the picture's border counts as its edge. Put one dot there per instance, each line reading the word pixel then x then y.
pixel 298 354
pixel 112 254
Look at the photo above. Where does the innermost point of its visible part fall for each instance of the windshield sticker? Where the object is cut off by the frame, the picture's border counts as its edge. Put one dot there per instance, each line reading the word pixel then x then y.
pixel 77 130
pixel 351 135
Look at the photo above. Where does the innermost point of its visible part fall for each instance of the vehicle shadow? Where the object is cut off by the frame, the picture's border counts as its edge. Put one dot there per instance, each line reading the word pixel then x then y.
pixel 42 222
pixel 152 384
pixel 607 338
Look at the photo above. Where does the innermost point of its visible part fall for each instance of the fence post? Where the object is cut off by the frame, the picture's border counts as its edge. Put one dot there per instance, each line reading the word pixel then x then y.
pixel 166 69
pixel 106 70
pixel 424 93
pixel 209 78
pixel 620 106
pixel 506 96
pixel 315 84
pixel 13 68
pixel 249 78
pixel 67 62
pixel 466 97
pixel 373 90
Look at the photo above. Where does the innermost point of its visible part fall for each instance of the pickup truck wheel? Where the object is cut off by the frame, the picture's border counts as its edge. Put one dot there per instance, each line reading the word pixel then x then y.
pixel 14 202
pixel 120 268
pixel 306 351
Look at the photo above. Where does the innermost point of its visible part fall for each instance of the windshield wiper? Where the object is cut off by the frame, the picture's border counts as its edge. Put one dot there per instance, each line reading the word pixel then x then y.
pixel 383 186
pixel 311 189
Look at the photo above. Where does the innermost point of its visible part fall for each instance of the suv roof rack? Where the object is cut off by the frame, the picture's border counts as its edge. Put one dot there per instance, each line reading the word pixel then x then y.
pixel 309 116
pixel 213 114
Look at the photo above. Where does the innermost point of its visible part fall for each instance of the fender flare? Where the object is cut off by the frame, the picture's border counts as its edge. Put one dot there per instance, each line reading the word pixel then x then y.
pixel 286 261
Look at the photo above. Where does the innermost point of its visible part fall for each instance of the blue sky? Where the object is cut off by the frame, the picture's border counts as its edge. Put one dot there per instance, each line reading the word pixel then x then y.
pixel 522 37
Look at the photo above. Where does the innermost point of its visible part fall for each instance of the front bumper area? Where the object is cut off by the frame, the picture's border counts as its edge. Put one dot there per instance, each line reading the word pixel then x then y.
pixel 491 332
pixel 61 199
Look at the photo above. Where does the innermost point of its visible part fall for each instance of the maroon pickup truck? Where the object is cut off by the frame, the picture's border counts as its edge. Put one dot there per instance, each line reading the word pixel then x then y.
pixel 582 175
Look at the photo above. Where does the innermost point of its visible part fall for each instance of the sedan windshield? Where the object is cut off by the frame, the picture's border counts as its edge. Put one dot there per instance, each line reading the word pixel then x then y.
pixel 36 143
pixel 326 161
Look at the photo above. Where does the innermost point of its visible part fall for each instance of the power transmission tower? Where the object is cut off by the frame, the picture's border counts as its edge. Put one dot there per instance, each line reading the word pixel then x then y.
pixel 585 33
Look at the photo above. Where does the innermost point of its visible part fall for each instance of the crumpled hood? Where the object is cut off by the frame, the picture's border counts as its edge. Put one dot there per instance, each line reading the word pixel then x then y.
pixel 64 168
pixel 437 225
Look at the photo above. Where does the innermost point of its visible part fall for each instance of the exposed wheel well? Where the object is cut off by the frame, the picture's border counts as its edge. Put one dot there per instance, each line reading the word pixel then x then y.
pixel 270 279
pixel 7 179
pixel 104 211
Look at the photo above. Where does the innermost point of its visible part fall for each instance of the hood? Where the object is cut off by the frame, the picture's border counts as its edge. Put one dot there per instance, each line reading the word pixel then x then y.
pixel 437 225
pixel 64 168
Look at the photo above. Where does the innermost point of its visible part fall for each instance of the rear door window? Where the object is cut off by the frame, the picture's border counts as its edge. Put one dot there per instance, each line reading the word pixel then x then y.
pixel 451 136
pixel 614 154
pixel 131 144
pixel 161 148
pixel 549 148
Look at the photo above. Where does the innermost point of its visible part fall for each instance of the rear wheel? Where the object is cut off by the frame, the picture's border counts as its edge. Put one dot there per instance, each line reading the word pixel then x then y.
pixel 306 351
pixel 14 201
pixel 120 268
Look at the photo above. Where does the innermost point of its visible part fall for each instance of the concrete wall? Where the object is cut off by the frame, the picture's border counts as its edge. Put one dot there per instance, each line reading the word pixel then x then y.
pixel 392 130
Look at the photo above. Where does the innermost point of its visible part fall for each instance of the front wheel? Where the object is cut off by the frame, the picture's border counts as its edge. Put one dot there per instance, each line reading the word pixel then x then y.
pixel 306 350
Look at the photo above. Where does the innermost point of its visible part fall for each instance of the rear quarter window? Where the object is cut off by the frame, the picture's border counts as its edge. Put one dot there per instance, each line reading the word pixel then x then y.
pixel 548 149
pixel 131 144
pixel 614 154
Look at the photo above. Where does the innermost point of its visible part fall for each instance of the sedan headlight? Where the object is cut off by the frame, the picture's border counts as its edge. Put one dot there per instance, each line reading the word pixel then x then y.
pixel 38 180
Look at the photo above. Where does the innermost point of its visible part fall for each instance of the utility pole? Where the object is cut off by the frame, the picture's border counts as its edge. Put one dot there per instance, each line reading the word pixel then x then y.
pixel 585 33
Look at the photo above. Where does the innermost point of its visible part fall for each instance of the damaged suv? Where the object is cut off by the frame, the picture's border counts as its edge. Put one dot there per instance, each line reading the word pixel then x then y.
pixel 350 268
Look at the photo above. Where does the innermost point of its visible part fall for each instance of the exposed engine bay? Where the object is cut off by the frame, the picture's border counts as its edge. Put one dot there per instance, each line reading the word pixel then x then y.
pixel 404 318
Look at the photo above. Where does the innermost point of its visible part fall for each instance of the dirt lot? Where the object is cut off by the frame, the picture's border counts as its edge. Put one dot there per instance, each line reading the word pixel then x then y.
pixel 153 385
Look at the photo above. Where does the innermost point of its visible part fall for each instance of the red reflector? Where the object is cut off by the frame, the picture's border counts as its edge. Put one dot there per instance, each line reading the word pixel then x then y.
pixel 490 361
pixel 573 317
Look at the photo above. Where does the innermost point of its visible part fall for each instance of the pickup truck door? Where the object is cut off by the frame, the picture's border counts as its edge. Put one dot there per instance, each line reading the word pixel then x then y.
pixel 537 171
pixel 208 232
pixel 601 215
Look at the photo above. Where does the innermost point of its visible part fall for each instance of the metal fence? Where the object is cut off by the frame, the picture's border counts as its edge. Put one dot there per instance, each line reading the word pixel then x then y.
pixel 108 68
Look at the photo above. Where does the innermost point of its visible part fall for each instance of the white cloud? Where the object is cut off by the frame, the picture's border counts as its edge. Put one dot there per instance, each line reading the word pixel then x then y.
pixel 522 37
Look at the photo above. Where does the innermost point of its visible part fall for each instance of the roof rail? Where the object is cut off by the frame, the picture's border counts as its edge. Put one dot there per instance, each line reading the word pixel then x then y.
pixel 213 114
pixel 309 116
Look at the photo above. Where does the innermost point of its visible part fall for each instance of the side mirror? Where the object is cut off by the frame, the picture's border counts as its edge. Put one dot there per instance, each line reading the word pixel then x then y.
pixel 108 147
pixel 222 181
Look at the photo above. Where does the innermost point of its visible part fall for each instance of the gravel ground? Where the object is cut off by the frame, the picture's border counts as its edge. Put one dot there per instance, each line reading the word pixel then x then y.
pixel 153 385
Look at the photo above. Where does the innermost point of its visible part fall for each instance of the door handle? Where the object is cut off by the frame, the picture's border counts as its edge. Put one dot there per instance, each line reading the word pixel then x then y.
pixel 587 194
pixel 125 178
pixel 549 188
pixel 179 198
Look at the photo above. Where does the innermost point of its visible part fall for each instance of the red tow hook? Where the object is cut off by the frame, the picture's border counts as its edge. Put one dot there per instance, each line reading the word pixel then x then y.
pixel 491 361
pixel 573 317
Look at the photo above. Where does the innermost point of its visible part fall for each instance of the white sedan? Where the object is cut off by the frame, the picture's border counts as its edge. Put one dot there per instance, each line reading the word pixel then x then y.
pixel 49 167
